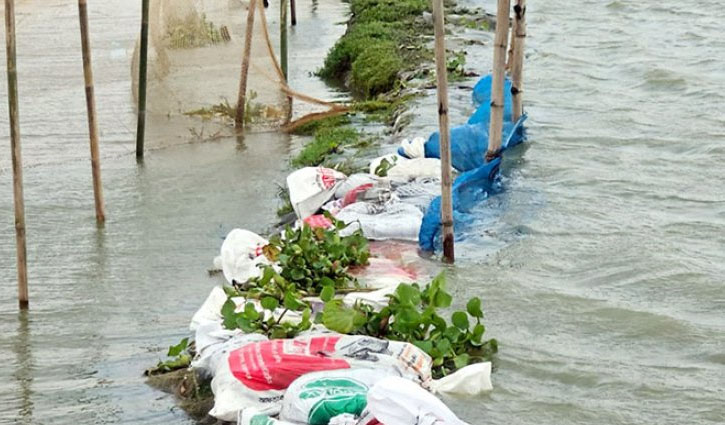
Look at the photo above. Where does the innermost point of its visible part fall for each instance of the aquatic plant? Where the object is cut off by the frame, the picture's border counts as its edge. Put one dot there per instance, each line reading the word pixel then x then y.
pixel 412 315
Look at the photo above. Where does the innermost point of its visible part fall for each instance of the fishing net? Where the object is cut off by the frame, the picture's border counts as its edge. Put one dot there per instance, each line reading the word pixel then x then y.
pixel 194 66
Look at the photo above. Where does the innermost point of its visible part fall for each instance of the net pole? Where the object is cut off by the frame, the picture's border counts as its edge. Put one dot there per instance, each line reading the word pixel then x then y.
pixel 142 72
pixel 293 12
pixel 242 97
pixel 445 147
pixel 497 85
pixel 283 37
pixel 19 200
pixel 517 71
pixel 91 108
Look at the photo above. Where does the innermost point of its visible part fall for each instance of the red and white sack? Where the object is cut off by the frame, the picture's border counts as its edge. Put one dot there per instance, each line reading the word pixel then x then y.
pixel 241 253
pixel 311 187
pixel 258 374
pixel 316 398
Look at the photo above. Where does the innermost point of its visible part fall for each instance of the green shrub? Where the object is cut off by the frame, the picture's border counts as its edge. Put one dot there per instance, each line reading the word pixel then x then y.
pixel 359 37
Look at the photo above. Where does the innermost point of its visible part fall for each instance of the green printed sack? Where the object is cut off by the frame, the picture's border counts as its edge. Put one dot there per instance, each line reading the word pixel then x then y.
pixel 317 397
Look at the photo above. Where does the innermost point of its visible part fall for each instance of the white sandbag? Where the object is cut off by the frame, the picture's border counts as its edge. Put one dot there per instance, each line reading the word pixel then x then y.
pixel 356 180
pixel 396 401
pixel 393 220
pixel 391 158
pixel 377 193
pixel 472 380
pixel 344 419
pixel 254 416
pixel 208 359
pixel 419 192
pixel 210 310
pixel 413 148
pixel 311 187
pixel 241 254
pixel 258 374
pixel 417 167
pixel 316 398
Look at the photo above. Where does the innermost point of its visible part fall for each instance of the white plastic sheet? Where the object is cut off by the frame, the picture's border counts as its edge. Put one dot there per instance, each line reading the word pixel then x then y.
pixel 311 187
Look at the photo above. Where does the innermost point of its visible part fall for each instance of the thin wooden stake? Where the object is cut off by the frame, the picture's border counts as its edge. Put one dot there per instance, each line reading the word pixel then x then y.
pixel 242 98
pixel 445 148
pixel 293 12
pixel 499 65
pixel 143 57
pixel 91 107
pixel 18 198
pixel 283 37
pixel 517 68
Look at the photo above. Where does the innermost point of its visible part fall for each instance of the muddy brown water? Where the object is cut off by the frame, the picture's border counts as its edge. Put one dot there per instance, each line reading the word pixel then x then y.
pixel 602 267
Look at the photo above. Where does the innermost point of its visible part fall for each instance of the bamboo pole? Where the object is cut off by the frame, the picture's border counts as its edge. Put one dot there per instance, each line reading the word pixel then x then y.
pixel 283 37
pixel 16 154
pixel 242 98
pixel 293 12
pixel 517 68
pixel 91 108
pixel 445 148
pixel 142 72
pixel 499 65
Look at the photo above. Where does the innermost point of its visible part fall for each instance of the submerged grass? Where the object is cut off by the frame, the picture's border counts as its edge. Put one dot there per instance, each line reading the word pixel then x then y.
pixel 383 40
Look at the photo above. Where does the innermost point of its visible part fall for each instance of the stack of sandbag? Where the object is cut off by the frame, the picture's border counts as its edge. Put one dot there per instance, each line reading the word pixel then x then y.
pixel 257 374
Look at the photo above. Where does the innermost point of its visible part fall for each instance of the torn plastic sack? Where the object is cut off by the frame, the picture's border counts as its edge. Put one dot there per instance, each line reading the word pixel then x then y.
pixel 210 310
pixel 482 97
pixel 316 398
pixel 396 401
pixel 382 274
pixel 413 148
pixel 410 169
pixel 241 252
pixel 257 374
pixel 469 189
pixel 419 192
pixel 356 180
pixel 472 380
pixel 379 193
pixel 392 220
pixel 469 143
pixel 311 187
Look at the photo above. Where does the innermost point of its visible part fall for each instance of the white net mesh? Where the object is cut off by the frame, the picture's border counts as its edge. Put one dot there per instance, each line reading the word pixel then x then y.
pixel 194 62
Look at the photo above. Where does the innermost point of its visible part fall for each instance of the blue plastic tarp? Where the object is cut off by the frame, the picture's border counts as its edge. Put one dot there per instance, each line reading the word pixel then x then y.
pixel 482 97
pixel 469 143
pixel 469 189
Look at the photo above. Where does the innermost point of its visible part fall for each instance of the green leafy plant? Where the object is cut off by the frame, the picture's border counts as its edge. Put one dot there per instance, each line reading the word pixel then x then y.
pixel 412 315
pixel 308 262
pixel 180 354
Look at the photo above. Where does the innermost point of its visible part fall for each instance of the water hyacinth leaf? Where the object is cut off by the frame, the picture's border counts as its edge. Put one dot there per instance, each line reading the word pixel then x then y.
pixel 291 302
pixel 271 252
pixel 408 294
pixel 474 308
pixel 326 281
pixel 442 299
pixel 339 318
pixel 327 293
pixel 177 349
pixel 462 360
pixel 426 346
pixel 269 303
pixel 460 320
pixel 444 346
pixel 478 331
pixel 250 312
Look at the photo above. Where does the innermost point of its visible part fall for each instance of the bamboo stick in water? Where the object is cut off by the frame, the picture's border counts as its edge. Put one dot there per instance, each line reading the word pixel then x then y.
pixel 517 68
pixel 283 37
pixel 445 148
pixel 242 98
pixel 143 57
pixel 91 108
pixel 497 85
pixel 16 154
pixel 293 12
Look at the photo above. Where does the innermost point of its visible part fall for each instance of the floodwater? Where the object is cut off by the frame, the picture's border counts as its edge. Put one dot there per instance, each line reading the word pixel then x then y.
pixel 602 267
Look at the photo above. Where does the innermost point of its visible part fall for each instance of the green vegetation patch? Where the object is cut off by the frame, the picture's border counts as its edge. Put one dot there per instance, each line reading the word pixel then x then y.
pixel 376 69
pixel 383 40
pixel 327 141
